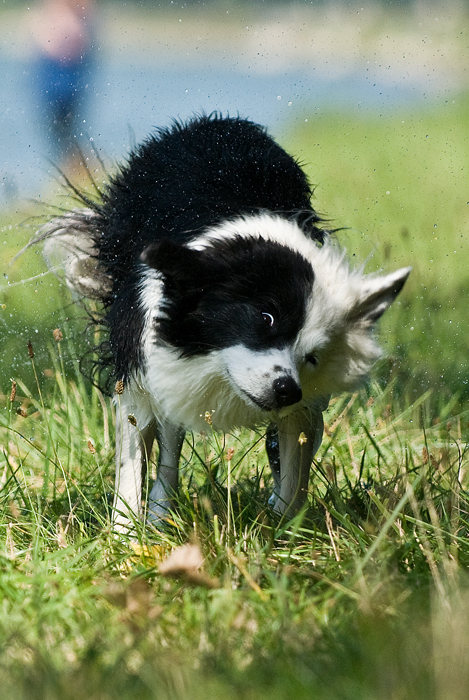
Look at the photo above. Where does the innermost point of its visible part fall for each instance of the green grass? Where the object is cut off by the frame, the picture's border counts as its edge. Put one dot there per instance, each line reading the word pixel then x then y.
pixel 365 594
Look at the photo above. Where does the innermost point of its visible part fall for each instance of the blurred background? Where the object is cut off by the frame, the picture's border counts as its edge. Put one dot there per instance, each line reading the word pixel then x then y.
pixel 370 96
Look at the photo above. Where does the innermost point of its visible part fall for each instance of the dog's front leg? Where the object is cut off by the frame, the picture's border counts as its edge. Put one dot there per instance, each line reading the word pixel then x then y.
pixel 135 433
pixel 299 435
pixel 161 500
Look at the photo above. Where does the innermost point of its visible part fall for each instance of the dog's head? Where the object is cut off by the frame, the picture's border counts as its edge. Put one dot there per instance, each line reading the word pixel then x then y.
pixel 288 318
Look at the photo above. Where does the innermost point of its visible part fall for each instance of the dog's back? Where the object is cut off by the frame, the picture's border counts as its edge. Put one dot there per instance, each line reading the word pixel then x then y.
pixel 185 179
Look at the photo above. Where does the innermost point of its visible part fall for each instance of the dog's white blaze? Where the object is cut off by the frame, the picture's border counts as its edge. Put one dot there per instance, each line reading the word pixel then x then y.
pixel 253 372
pixel 269 227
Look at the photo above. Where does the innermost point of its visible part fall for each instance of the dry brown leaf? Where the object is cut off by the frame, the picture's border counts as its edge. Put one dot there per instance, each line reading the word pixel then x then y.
pixel 185 562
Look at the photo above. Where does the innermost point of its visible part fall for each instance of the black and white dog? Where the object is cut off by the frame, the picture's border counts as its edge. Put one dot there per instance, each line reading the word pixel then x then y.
pixel 224 299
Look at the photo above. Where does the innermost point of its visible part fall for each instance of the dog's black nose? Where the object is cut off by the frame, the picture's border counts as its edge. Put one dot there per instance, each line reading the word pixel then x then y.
pixel 287 391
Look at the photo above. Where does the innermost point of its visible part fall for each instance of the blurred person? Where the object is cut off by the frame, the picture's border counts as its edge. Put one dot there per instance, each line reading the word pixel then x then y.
pixel 62 35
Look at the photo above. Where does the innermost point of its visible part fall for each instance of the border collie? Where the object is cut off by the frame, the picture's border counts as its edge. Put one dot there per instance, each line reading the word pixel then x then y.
pixel 225 300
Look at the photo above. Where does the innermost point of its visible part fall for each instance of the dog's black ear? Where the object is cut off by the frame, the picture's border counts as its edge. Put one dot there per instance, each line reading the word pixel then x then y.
pixel 176 262
pixel 377 295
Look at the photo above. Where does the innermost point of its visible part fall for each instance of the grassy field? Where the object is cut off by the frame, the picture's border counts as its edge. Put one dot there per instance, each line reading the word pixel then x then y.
pixel 365 594
pixel 361 596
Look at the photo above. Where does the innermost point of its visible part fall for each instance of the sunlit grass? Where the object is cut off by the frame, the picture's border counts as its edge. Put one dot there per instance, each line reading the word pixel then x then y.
pixel 361 595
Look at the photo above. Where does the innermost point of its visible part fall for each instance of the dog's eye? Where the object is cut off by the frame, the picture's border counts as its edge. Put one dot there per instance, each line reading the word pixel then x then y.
pixel 267 318
pixel 311 359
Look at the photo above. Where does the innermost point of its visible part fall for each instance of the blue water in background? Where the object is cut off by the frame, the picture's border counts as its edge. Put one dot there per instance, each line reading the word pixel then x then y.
pixel 127 99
